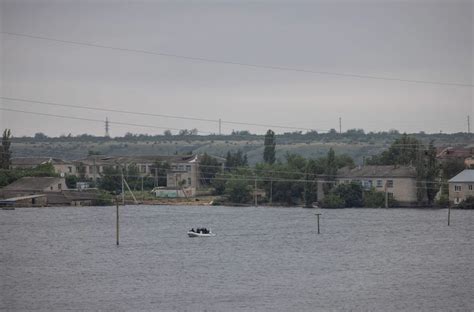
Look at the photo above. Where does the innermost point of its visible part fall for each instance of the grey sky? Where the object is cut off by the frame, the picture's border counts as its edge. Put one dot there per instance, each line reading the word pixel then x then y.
pixel 418 40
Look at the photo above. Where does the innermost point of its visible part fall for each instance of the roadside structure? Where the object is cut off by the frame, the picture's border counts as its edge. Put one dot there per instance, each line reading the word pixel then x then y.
pixel 399 182
pixel 461 186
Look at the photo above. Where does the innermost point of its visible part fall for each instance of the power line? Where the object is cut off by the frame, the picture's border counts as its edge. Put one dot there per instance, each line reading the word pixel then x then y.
pixel 210 60
pixel 219 121
pixel 92 120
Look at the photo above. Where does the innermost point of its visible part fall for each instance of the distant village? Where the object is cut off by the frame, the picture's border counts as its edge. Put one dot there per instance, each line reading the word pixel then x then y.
pixel 330 182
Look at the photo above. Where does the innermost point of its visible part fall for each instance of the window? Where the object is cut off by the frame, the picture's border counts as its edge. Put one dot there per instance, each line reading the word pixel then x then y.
pixel 379 183
pixel 181 167
pixel 470 187
pixel 188 167
pixel 457 188
pixel 389 183
pixel 59 186
pixel 189 181
pixel 69 169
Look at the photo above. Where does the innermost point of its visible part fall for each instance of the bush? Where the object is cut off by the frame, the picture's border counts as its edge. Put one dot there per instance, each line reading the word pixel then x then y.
pixel 374 199
pixel 468 203
pixel 333 201
pixel 443 201
pixel 104 199
pixel 238 191
pixel 350 193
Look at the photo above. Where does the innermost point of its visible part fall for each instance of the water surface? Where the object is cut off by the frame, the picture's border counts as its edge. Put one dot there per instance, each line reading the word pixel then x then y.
pixel 262 259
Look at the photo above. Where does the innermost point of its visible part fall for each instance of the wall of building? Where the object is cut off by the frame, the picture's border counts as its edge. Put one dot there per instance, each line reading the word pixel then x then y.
pixel 403 189
pixel 460 191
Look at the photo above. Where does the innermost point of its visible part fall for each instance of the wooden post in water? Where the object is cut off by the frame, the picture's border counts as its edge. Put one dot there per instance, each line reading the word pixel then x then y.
pixel 255 194
pixel 117 222
pixel 318 214
pixel 449 214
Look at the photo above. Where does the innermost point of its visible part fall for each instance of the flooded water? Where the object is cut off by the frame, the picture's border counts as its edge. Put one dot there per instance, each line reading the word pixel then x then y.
pixel 262 259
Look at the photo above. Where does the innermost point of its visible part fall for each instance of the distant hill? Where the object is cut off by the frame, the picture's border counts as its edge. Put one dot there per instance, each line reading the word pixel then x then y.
pixel 354 143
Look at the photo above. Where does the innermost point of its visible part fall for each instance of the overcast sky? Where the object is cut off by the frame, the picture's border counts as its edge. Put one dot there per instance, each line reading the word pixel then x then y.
pixel 414 40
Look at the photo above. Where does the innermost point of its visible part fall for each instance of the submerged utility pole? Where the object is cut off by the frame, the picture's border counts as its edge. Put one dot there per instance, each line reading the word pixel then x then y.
pixel 318 214
pixel 255 193
pixel 449 214
pixel 117 226
pixel 123 190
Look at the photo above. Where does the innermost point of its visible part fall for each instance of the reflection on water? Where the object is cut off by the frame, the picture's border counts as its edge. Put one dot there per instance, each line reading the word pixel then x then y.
pixel 261 259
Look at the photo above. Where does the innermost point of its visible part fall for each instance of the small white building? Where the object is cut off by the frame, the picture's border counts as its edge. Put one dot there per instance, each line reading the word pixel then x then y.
pixel 461 186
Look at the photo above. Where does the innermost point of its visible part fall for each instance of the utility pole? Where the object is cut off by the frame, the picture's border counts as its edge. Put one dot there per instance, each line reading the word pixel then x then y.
pixel 340 125
pixel 271 191
pixel 386 195
pixel 107 135
pixel 468 124
pixel 117 222
pixel 318 214
pixel 123 191
pixel 95 171
pixel 220 126
pixel 255 192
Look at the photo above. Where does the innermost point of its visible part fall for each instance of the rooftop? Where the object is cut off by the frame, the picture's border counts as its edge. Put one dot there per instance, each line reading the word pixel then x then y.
pixel 464 176
pixel 32 183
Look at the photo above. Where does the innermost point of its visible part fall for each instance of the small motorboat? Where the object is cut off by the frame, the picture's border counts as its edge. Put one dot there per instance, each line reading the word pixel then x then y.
pixel 201 233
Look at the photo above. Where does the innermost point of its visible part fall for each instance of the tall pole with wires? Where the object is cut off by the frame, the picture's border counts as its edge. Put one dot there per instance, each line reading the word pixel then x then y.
pixel 468 124
pixel 340 125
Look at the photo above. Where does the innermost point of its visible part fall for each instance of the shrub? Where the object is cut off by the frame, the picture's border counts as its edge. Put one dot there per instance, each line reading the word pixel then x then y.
pixel 333 201
pixel 468 203
pixel 443 201
pixel 374 199
pixel 350 193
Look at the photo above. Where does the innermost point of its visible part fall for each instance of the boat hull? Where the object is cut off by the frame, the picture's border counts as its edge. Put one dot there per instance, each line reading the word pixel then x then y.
pixel 194 234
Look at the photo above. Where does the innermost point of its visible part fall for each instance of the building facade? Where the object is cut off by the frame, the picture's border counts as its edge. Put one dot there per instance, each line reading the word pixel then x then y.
pixel 398 181
pixel 461 186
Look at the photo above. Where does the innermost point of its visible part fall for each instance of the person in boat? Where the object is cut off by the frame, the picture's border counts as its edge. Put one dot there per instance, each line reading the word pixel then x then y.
pixel 192 230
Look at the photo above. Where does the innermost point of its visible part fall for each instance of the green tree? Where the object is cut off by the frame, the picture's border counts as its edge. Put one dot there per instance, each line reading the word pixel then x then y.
pixel 432 174
pixel 111 180
pixel 403 151
pixel 71 181
pixel 237 159
pixel 269 147
pixel 330 170
pixel 209 167
pixel 238 190
pixel 351 193
pixel 6 153
pixel 159 171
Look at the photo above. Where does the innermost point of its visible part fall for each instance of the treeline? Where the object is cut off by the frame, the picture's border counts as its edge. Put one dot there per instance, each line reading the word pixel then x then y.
pixel 349 136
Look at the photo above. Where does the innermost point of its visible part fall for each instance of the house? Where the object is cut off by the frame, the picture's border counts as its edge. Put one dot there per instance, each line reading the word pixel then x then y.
pixel 60 166
pixel 71 198
pixel 461 186
pixel 183 172
pixel 461 153
pixel 32 191
pixel 398 181
pixel 34 185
